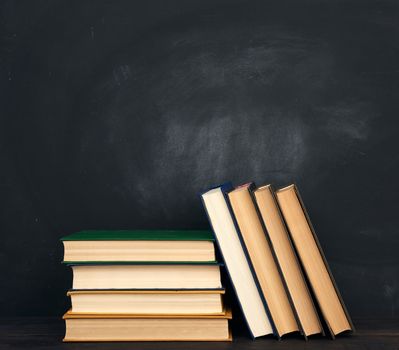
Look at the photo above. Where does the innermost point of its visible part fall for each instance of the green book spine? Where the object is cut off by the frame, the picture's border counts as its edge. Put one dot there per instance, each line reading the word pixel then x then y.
pixel 141 235
pixel 141 263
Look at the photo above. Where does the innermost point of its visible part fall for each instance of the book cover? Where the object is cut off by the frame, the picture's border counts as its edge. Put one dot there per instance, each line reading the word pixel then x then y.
pixel 147 291
pixel 98 263
pixel 140 235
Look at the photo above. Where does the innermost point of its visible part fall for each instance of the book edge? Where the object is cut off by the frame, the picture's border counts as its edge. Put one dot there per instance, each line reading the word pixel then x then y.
pixel 326 264
pixel 247 187
pixel 146 291
pixel 271 190
pixel 312 230
pixel 225 187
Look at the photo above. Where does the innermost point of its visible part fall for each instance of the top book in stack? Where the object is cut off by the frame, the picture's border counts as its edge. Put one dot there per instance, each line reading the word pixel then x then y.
pixel 139 245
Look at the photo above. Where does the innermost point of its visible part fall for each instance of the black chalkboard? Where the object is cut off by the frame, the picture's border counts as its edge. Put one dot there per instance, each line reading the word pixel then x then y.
pixel 116 114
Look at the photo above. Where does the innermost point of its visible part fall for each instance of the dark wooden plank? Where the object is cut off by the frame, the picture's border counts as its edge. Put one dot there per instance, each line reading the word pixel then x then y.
pixel 47 333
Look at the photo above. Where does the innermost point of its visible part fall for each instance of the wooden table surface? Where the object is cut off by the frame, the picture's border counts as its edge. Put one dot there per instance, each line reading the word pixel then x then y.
pixel 47 333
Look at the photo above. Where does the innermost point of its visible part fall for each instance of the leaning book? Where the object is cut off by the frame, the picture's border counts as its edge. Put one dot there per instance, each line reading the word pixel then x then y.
pixel 314 261
pixel 235 257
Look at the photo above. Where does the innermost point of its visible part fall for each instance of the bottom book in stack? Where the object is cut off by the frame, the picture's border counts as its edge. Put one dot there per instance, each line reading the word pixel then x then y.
pixel 147 315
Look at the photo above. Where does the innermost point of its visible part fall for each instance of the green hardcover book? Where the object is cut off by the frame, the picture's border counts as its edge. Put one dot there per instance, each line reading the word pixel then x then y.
pixel 141 235
pixel 139 246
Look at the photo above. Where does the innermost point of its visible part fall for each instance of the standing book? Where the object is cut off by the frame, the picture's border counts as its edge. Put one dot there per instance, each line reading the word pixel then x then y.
pixel 313 261
pixel 236 260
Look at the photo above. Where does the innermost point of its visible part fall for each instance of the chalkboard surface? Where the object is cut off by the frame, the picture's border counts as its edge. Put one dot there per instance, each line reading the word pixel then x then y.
pixel 116 114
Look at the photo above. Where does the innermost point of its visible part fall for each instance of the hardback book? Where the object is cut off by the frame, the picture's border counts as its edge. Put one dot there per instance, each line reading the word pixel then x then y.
pixel 236 260
pixel 148 301
pixel 139 245
pixel 287 260
pixel 147 327
pixel 262 259
pixel 313 261
pixel 146 276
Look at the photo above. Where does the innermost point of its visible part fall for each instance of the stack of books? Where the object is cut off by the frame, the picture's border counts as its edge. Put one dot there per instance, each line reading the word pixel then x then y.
pixel 275 261
pixel 145 286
